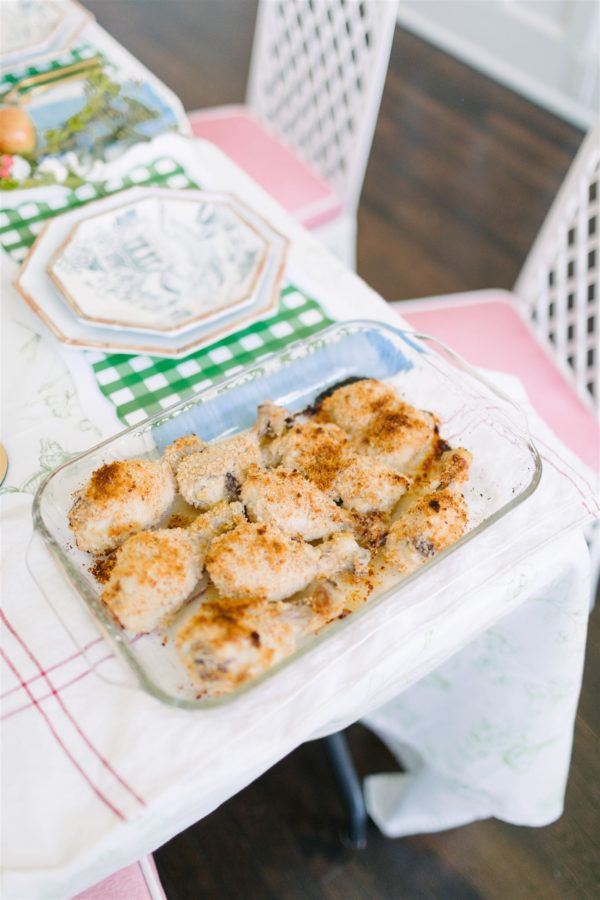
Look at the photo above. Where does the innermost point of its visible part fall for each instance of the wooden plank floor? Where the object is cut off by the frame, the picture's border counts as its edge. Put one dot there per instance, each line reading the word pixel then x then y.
pixel 460 177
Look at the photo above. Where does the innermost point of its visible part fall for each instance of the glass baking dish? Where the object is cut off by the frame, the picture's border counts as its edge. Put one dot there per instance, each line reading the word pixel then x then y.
pixel 506 466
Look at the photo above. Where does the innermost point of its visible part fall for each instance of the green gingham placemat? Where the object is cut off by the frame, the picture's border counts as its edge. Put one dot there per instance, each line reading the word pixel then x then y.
pixel 19 226
pixel 139 386
pixel 19 73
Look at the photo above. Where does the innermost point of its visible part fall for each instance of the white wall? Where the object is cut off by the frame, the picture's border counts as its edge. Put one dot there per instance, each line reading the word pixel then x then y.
pixel 547 50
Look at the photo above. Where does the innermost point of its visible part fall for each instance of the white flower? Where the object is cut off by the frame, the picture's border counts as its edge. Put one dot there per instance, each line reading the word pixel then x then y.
pixel 20 168
pixel 55 168
pixel 93 172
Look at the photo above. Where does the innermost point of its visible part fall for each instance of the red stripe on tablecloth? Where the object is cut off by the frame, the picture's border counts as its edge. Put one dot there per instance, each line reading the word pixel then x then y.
pixel 56 665
pixel 53 693
pixel 59 741
pixel 69 715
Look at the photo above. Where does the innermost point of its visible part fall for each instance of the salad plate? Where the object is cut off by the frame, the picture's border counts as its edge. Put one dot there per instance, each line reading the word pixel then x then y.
pixel 160 263
pixel 42 295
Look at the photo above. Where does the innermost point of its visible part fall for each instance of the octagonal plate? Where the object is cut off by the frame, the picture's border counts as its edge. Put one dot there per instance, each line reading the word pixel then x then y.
pixel 31 30
pixel 47 303
pixel 160 264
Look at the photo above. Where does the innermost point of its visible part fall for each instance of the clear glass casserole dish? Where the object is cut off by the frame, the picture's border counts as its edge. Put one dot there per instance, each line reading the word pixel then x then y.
pixel 506 466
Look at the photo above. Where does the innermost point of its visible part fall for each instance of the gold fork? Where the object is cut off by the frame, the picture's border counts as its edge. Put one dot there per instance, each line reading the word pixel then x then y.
pixel 23 90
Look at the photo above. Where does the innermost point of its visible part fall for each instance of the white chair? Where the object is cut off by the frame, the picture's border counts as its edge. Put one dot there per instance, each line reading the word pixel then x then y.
pixel 547 331
pixel 316 78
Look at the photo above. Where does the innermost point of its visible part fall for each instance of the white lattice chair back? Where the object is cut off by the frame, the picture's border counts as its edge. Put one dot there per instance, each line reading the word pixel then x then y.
pixel 316 78
pixel 559 285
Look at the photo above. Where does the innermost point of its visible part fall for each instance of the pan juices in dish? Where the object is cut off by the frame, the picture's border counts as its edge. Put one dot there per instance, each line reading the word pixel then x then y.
pixel 286 527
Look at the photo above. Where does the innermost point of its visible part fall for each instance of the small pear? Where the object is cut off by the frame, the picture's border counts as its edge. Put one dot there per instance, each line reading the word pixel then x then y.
pixel 17 131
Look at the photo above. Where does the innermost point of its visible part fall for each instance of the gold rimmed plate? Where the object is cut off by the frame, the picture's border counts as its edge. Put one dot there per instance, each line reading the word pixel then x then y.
pixel 42 295
pixel 162 263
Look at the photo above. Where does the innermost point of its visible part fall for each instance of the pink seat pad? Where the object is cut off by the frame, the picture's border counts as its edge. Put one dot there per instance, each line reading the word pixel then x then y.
pixel 130 883
pixel 490 333
pixel 300 190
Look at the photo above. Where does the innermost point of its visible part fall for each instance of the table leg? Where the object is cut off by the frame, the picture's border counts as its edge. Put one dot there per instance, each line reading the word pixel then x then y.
pixel 348 781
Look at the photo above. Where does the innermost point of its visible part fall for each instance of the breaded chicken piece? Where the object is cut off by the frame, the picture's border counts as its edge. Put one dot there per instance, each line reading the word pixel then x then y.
pixel 120 499
pixel 332 599
pixel 261 562
pixel 272 420
pixel 447 469
pixel 322 452
pixel 433 523
pixel 380 424
pixel 154 574
pixel 223 643
pixel 342 553
pixel 218 519
pixel 285 498
pixel 216 472
pixel 400 436
pixel 370 529
pixel 353 405
pixel 450 468
pixel 223 646
pixel 317 450
pixel 176 452
pixel 366 485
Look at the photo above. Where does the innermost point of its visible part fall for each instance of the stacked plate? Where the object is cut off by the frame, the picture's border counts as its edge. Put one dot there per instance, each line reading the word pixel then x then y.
pixel 33 30
pixel 153 271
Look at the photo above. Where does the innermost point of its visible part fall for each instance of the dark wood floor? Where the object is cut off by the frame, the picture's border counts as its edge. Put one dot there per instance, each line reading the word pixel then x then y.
pixel 460 177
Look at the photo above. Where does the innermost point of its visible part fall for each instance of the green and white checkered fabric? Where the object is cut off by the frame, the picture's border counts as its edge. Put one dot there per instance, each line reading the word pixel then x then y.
pixel 73 55
pixel 139 386
pixel 19 226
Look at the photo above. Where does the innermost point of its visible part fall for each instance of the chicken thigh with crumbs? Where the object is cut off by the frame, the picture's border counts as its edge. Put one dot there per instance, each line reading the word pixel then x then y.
pixel 176 452
pixel 260 561
pixel 217 470
pixel 224 642
pixel 222 646
pixel 154 574
pixel 324 454
pixel 380 424
pixel 318 451
pixel 433 523
pixel 120 499
pixel 285 498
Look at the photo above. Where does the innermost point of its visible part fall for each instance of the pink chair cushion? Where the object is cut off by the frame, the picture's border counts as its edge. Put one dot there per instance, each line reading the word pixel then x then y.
pixel 490 333
pixel 270 163
pixel 127 884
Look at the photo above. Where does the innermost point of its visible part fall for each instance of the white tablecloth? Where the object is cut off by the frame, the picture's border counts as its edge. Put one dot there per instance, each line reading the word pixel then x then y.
pixel 96 775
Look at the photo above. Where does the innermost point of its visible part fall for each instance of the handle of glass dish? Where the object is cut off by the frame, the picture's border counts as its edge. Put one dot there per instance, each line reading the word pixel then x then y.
pixel 98 654
pixel 461 363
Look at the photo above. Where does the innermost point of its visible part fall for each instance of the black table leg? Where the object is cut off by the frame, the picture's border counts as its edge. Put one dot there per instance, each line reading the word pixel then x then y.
pixel 338 752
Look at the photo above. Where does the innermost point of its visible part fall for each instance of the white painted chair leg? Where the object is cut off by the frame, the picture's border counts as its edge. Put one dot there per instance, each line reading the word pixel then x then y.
pixel 339 236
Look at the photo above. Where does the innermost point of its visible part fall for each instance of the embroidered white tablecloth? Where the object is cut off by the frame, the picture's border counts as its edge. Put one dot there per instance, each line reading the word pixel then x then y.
pixel 96 775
